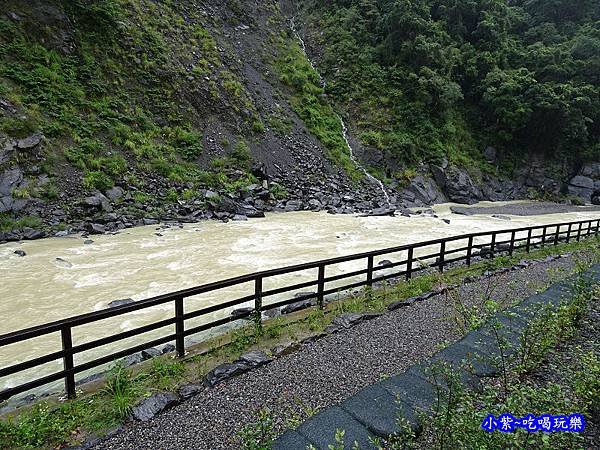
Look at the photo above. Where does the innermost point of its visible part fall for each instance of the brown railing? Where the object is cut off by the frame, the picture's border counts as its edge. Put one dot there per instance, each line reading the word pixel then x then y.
pixel 500 241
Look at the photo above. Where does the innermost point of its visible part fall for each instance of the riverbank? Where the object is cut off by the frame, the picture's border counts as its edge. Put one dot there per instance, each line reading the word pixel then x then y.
pixel 224 208
pixel 309 378
pixel 522 209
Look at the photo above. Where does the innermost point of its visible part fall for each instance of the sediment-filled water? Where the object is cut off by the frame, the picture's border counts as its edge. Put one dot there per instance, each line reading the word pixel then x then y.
pixel 63 277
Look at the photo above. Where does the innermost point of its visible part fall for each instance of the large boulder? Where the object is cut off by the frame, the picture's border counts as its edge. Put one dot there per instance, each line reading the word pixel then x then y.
pixel 457 184
pixel 120 302
pixel 591 170
pixel 228 205
pixel 6 150
pixel 495 190
pixel 10 180
pixel 97 201
pixel 6 204
pixel 380 212
pixel 294 205
pixel 582 187
pixel 115 193
pixel 423 190
pixel 31 234
pixel 30 141
pixel 95 228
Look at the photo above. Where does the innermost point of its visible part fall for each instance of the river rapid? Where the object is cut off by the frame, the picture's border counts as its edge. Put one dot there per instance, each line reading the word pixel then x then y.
pixel 63 277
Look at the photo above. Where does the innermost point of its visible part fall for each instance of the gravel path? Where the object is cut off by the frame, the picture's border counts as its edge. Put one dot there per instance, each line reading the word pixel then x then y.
pixel 323 373
pixel 523 209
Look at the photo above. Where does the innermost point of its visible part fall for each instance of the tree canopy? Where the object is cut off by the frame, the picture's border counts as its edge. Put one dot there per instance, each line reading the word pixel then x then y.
pixel 428 79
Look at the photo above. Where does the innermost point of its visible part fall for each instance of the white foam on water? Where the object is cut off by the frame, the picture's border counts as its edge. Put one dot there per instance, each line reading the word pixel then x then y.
pixel 35 290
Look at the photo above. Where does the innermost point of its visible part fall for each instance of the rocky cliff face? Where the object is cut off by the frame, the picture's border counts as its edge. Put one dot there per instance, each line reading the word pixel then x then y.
pixel 125 110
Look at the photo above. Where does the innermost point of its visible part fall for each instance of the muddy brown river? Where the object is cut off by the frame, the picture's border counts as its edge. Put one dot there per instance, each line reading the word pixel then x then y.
pixel 63 277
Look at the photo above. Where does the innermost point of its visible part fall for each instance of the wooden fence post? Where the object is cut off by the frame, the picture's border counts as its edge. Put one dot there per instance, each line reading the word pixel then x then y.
pixel 370 271
pixel 512 243
pixel 589 229
pixel 179 328
pixel 67 346
pixel 469 250
pixel 544 236
pixel 320 286
pixel 258 288
pixel 409 261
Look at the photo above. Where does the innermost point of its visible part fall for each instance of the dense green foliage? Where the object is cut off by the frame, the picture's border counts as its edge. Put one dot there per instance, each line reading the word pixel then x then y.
pixel 426 79
pixel 112 83
pixel 309 103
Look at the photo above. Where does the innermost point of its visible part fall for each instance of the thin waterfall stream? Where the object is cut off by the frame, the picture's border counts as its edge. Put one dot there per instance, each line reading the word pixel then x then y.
pixel 353 157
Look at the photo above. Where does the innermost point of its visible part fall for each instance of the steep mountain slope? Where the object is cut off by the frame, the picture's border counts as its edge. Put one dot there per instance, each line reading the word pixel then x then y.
pixel 423 80
pixel 115 113
pixel 155 102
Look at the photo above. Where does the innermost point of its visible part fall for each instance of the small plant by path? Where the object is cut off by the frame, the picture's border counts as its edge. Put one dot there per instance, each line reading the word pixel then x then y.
pixel 458 413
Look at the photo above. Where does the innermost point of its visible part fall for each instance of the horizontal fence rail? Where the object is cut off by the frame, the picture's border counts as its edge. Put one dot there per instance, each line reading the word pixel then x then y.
pixel 438 255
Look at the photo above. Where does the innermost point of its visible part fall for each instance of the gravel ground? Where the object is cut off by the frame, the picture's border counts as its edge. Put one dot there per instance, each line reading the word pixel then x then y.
pixel 325 372
pixel 523 209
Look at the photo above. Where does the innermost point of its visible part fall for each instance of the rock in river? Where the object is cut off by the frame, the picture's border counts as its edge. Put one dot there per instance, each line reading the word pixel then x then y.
pixel 115 303
pixel 63 263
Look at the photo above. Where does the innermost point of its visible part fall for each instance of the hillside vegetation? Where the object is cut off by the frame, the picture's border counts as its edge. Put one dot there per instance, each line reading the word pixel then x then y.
pixel 427 79
pixel 116 111
pixel 162 101
pixel 113 85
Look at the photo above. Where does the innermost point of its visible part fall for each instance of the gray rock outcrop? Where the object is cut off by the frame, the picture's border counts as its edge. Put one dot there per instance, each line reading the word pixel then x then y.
pixel 582 187
pixel 457 184
pixel 423 190
pixel 11 180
